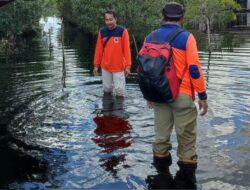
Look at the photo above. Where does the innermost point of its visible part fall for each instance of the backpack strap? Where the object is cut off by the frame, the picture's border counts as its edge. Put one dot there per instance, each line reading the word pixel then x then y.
pixel 169 38
pixel 106 41
pixel 154 36
pixel 173 35
pixel 183 73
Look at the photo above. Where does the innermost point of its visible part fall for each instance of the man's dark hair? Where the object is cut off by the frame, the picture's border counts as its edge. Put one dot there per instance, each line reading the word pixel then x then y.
pixel 112 12
pixel 173 11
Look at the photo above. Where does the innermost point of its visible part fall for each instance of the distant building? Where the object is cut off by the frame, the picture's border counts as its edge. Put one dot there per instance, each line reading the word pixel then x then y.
pixel 243 15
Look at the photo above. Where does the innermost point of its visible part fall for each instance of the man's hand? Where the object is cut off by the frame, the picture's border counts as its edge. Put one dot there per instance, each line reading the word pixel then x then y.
pixel 203 106
pixel 127 72
pixel 95 71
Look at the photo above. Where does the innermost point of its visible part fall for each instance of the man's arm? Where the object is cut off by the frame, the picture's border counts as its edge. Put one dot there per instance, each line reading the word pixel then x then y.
pixel 98 54
pixel 196 73
pixel 126 51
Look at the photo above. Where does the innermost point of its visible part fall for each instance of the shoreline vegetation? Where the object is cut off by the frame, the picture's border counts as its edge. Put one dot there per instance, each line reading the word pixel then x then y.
pixel 20 19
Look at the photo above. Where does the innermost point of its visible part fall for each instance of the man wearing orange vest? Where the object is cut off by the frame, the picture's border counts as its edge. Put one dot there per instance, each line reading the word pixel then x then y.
pixel 182 113
pixel 112 53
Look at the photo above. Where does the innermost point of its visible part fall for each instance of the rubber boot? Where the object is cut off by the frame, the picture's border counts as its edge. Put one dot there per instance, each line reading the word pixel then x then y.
pixel 162 163
pixel 185 178
pixel 164 179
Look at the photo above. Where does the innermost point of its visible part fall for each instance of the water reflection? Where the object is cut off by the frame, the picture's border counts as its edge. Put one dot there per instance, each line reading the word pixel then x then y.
pixel 160 181
pixel 19 161
pixel 112 132
pixel 47 99
pixel 185 177
pixel 167 181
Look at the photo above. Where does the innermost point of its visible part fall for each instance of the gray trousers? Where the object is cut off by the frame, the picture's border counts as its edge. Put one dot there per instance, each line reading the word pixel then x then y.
pixel 114 80
pixel 182 115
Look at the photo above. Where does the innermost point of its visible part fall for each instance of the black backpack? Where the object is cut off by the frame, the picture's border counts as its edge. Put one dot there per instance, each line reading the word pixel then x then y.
pixel 156 71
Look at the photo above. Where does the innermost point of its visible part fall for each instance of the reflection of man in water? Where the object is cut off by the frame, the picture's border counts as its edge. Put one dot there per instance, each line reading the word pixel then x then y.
pixel 113 106
pixel 112 131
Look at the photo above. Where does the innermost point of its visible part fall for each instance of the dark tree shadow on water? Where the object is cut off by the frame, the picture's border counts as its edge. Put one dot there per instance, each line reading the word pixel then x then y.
pixel 17 162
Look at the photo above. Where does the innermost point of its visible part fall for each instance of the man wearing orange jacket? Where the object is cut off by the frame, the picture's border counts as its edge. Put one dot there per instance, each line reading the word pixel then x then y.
pixel 112 53
pixel 181 114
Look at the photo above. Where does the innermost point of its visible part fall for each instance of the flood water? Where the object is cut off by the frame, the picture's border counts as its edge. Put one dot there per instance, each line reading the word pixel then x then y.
pixel 57 129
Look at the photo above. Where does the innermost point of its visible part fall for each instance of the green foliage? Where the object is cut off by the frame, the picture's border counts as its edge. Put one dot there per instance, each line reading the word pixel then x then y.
pixel 218 12
pixel 19 16
pixel 139 16
pixel 142 16
pixel 49 8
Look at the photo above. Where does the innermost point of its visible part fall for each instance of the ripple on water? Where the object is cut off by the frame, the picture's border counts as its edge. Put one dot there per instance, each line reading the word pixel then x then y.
pixel 51 104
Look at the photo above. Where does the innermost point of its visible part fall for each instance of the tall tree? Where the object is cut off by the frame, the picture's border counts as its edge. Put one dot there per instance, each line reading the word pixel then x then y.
pixel 139 16
pixel 208 14
pixel 20 16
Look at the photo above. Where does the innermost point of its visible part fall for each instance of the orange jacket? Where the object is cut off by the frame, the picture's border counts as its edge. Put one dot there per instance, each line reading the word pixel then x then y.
pixel 186 59
pixel 193 78
pixel 116 56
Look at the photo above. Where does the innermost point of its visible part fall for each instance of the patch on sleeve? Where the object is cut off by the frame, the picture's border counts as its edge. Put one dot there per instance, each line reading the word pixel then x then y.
pixel 194 71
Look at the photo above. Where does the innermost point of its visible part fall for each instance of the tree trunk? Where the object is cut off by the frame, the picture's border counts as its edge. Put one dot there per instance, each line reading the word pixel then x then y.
pixel 208 34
